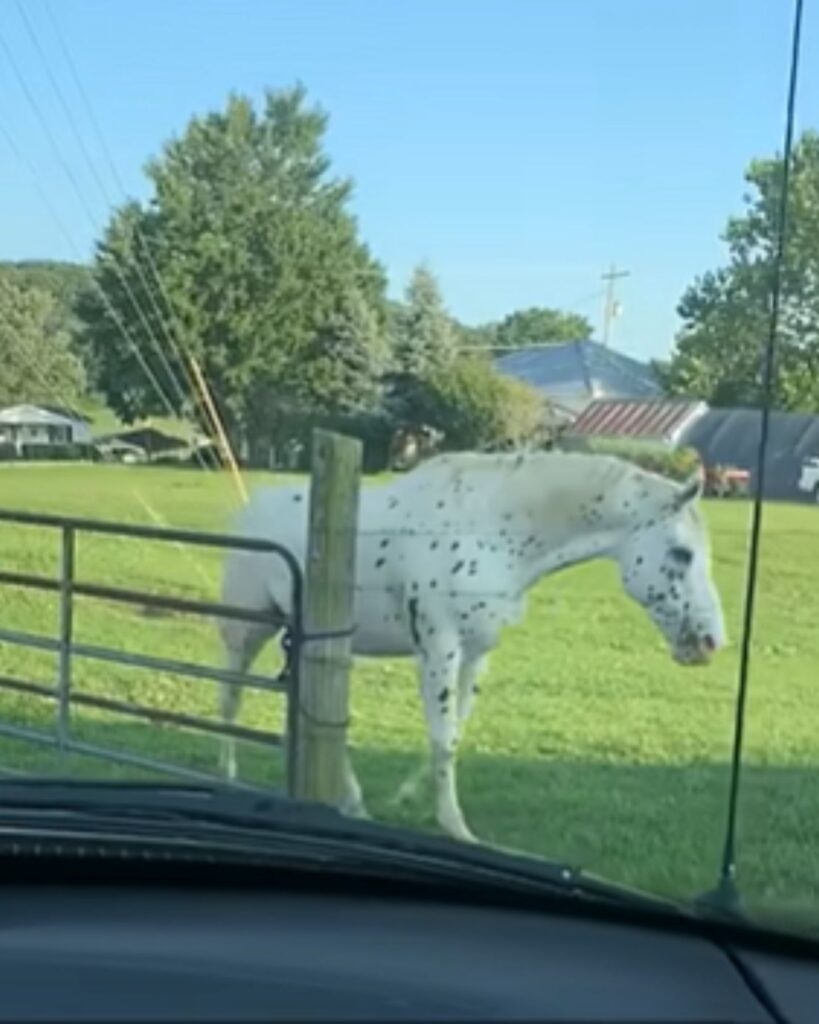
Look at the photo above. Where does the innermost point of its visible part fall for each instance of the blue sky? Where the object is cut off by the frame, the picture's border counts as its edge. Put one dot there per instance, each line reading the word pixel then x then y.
pixel 518 146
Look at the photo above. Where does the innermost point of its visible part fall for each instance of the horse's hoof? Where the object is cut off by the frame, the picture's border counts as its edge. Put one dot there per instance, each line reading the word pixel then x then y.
pixel 357 810
pixel 459 831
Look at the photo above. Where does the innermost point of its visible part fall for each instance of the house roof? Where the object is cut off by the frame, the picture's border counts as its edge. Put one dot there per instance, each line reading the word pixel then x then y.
pixel 657 419
pixel 38 415
pixel 573 373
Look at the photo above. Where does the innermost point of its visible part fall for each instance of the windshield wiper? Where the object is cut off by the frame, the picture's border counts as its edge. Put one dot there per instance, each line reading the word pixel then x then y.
pixel 230 823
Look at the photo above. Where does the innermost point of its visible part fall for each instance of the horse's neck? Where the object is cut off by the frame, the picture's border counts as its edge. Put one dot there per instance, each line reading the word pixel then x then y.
pixel 576 514
pixel 562 552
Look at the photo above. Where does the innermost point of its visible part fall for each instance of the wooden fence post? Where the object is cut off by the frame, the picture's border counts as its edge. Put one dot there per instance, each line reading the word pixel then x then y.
pixel 329 589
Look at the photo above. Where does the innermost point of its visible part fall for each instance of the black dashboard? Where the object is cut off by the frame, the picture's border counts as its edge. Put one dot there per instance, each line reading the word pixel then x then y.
pixel 120 952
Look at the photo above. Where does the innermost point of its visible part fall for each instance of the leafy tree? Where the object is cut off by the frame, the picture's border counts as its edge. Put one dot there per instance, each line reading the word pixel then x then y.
pixel 540 326
pixel 36 361
pixel 256 251
pixel 63 281
pixel 482 336
pixel 344 363
pixel 725 313
pixel 424 337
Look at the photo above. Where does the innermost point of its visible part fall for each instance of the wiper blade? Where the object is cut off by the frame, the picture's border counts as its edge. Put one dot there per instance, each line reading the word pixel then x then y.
pixel 270 826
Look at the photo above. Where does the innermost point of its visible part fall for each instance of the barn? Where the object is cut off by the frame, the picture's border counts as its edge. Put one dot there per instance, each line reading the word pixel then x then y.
pixel 732 437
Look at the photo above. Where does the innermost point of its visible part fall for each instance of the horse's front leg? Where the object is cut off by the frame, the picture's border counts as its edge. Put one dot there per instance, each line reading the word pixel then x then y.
pixel 439 689
pixel 467 690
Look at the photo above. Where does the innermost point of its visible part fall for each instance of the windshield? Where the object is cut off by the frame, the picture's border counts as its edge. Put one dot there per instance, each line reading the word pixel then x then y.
pixel 416 408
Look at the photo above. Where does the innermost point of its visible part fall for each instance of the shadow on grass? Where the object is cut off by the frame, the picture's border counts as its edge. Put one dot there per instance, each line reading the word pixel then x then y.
pixel 657 827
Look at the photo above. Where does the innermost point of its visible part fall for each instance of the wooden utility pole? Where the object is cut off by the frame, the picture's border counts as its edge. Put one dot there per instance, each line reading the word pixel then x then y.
pixel 608 309
pixel 329 592
pixel 218 428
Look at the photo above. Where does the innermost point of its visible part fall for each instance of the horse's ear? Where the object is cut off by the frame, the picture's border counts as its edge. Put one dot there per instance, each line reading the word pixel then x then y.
pixel 688 492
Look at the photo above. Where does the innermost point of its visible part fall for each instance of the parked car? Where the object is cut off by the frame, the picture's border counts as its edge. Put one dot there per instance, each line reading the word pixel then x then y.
pixel 809 477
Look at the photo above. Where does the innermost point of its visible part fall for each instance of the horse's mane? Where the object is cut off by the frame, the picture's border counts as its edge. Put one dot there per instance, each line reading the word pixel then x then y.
pixel 529 478
pixel 534 469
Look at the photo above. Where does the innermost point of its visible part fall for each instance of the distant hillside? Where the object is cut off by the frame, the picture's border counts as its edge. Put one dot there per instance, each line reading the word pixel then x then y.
pixel 62 280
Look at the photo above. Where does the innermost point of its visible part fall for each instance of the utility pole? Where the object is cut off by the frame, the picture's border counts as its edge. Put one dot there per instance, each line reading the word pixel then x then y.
pixel 609 307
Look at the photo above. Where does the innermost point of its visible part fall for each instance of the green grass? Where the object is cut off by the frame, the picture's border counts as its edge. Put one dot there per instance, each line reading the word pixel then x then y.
pixel 587 742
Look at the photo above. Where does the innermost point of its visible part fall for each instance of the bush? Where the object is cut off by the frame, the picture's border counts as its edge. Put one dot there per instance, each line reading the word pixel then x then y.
pixel 55 452
pixel 675 463
pixel 374 430
pixel 474 406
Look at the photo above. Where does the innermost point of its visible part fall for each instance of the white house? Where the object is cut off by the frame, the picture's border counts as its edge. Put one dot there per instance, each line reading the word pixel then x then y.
pixel 42 425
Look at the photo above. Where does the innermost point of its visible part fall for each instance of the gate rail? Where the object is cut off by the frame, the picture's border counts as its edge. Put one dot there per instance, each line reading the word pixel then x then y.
pixel 67 586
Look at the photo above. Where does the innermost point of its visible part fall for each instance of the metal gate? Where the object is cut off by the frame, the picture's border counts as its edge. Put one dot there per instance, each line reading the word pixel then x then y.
pixel 64 695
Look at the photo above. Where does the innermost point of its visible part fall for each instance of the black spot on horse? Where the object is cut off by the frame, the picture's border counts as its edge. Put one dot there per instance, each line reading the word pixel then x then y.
pixel 412 608
pixel 458 566
pixel 384 542
pixel 433 583
pixel 444 694
pixel 454 545
pixel 297 497
pixel 392 503
pixel 682 555
pixel 441 504
pixel 379 562
pixel 433 545
pixel 451 655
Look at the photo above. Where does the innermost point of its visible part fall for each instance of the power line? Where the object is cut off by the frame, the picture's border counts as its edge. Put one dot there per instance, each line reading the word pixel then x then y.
pixel 178 348
pixel 110 309
pixel 77 255
pixel 72 124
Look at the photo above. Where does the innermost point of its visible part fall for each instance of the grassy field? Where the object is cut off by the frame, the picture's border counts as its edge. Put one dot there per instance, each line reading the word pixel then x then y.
pixel 587 743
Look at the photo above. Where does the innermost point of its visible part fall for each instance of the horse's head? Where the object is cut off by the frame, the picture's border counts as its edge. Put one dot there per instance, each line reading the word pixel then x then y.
pixel 665 566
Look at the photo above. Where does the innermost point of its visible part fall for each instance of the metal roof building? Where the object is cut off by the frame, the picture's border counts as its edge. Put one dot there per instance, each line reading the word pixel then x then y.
pixel 573 374
pixel 731 437
pixel 662 420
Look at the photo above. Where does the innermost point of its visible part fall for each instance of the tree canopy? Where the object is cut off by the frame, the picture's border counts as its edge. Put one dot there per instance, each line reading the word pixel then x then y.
pixel 258 257
pixel 540 325
pixel 726 312
pixel 424 335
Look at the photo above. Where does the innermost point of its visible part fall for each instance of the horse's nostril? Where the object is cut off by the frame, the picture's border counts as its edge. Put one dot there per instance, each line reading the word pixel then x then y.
pixel 709 643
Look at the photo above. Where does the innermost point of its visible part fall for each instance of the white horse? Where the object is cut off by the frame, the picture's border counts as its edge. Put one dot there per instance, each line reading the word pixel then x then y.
pixel 446 555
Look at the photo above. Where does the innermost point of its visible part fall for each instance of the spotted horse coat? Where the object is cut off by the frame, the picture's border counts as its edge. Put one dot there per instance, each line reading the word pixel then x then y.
pixel 446 555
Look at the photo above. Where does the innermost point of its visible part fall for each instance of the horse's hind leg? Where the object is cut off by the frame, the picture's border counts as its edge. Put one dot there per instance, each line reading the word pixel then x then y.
pixel 353 801
pixel 242 643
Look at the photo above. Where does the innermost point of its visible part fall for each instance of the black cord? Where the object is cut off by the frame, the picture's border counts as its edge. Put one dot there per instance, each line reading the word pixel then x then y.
pixel 726 890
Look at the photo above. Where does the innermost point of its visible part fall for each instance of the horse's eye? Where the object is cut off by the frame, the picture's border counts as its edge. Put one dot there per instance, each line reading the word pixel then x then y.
pixel 684 556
